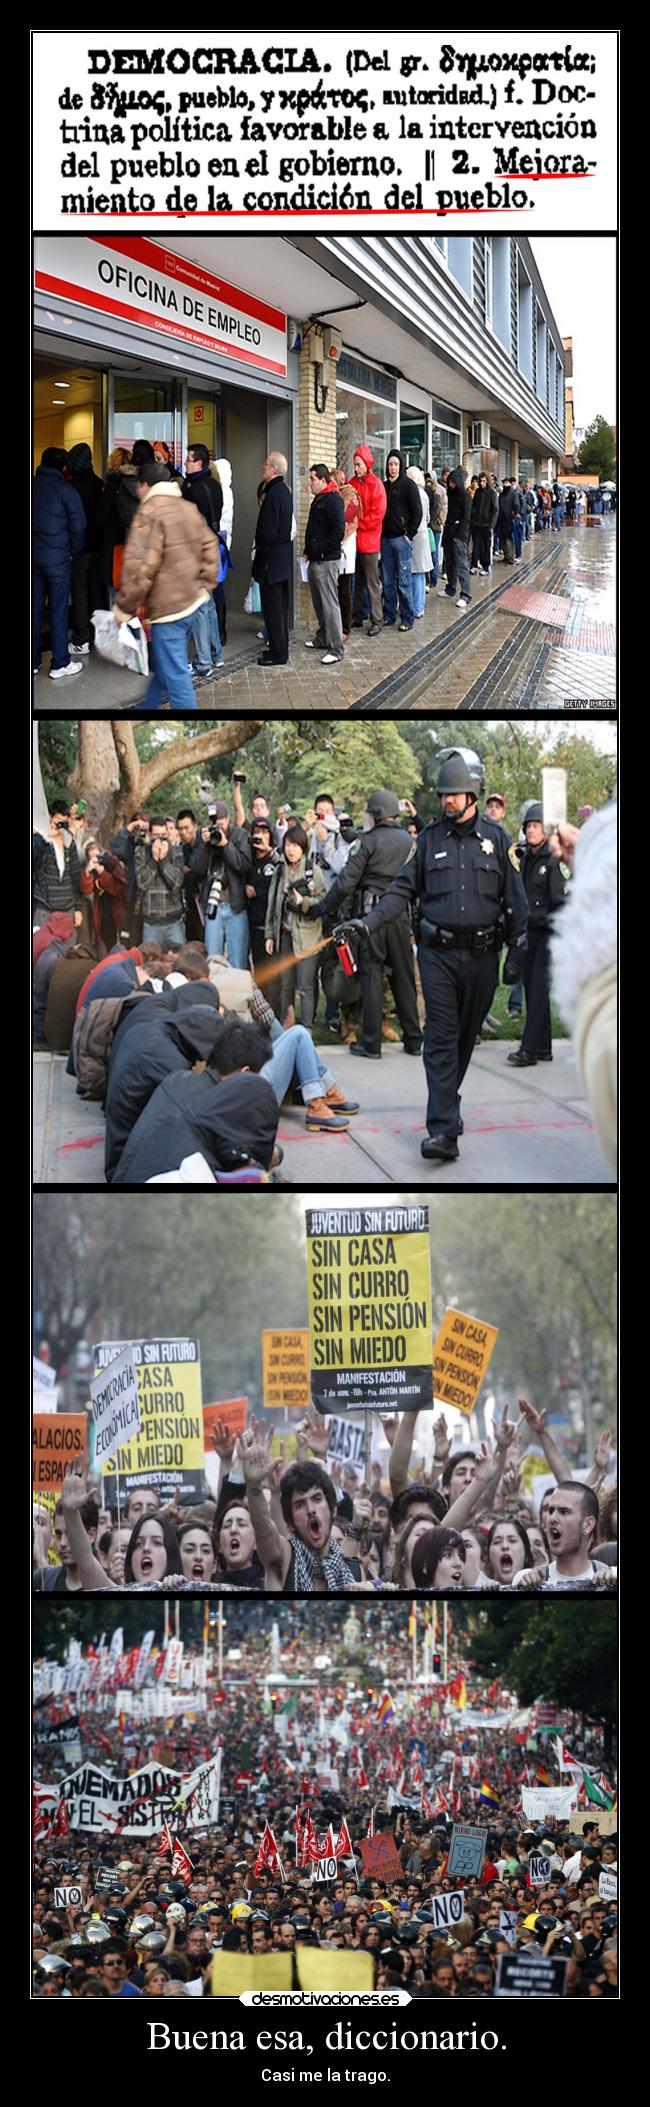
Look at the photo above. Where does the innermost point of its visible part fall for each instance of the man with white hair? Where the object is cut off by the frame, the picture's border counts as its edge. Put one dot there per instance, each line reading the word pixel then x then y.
pixel 272 559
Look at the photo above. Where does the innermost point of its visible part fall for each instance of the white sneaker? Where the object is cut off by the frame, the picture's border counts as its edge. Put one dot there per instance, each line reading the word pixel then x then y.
pixel 262 635
pixel 309 644
pixel 80 650
pixel 64 672
pixel 462 602
pixel 331 659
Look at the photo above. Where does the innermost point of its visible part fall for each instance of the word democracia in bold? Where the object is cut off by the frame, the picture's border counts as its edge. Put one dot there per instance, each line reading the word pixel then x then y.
pixel 213 58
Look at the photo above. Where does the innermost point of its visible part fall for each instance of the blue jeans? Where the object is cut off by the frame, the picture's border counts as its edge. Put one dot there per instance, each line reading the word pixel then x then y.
pixel 435 574
pixel 228 933
pixel 518 535
pixel 396 575
pixel 294 1056
pixel 163 932
pixel 171 673
pixel 204 631
pixel 419 591
pixel 53 586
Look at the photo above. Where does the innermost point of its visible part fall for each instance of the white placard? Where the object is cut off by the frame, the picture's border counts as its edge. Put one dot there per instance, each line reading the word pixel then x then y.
pixel 543 1800
pixel 115 1406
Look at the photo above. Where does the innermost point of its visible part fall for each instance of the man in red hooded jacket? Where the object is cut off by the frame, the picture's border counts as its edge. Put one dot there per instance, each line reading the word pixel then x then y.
pixel 373 506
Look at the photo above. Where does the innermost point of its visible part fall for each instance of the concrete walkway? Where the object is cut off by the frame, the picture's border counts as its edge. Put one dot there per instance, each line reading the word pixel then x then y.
pixel 539 635
pixel 522 1126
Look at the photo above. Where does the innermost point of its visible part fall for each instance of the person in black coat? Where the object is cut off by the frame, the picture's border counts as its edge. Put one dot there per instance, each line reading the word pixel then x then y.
pixel 546 884
pixel 455 536
pixel 401 522
pixel 89 488
pixel 59 535
pixel 272 559
pixel 141 1059
pixel 230 1113
pixel 485 512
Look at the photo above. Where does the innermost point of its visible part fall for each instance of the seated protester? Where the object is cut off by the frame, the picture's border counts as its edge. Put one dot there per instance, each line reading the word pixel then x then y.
pixel 438 1560
pixel 294 1064
pixel 58 934
pixel 68 1577
pixel 111 980
pixel 305 1561
pixel 229 1113
pixel 162 1045
pixel 233 1539
pixel 508 1551
pixel 175 994
pixel 65 980
pixel 571 1523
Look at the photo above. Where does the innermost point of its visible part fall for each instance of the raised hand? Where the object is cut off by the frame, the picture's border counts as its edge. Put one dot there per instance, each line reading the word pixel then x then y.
pixel 315 1433
pixel 74 1489
pixel 253 1453
pixel 442 1443
pixel 390 1423
pixel 504 1431
pixel 533 1419
pixel 222 1441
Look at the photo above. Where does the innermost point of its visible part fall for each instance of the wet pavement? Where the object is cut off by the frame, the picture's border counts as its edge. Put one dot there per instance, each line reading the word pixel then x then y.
pixel 539 636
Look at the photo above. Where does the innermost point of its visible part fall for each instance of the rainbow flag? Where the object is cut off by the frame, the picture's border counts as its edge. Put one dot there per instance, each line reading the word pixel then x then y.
pixel 487 1792
pixel 385 1710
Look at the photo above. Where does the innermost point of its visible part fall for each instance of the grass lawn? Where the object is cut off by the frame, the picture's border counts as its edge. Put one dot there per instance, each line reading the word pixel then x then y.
pixel 501 1025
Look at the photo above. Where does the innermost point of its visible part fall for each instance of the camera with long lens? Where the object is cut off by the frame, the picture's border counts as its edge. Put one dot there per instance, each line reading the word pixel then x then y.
pixel 214 897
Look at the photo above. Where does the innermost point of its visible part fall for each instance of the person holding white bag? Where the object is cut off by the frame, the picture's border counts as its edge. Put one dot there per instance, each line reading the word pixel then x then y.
pixel 170 561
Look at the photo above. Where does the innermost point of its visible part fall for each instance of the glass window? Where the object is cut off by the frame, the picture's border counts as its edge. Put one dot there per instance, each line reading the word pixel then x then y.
pixel 141 410
pixel 489 280
pixel 445 448
pixel 362 422
pixel 413 437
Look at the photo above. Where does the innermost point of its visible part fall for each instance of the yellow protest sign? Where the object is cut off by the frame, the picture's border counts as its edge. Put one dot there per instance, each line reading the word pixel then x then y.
pixel 461 1354
pixel 168 1453
pixel 234 1972
pixel 285 1370
pixel 333 1969
pixel 369 1293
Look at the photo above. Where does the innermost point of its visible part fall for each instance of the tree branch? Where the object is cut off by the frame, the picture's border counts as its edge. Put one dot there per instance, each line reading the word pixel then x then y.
pixel 190 753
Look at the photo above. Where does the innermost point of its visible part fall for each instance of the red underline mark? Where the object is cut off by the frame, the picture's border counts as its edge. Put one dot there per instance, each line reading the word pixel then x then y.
pixel 85 1144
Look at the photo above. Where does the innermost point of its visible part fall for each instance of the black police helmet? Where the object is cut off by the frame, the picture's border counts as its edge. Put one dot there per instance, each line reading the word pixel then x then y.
pixel 533 814
pixel 383 804
pixel 460 770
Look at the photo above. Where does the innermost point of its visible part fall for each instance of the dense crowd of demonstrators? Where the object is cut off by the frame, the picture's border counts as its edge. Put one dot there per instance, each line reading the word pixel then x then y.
pixel 322 1761
pixel 138 942
pixel 374 548
pixel 466 1521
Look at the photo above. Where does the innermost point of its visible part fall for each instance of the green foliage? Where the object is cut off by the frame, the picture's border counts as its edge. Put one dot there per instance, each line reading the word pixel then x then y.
pixel 565 1652
pixel 513 759
pixel 597 454
pixel 57 744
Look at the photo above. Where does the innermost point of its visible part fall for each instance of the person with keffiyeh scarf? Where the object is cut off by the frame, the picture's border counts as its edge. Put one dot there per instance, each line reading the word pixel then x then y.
pixel 299 1554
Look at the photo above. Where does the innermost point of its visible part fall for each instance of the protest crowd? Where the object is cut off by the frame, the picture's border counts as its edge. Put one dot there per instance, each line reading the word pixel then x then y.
pixel 169 963
pixel 374 551
pixel 471 1519
pixel 303 1797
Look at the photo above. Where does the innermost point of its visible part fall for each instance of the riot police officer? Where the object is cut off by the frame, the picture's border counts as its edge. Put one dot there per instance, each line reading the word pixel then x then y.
pixel 470 893
pixel 546 883
pixel 375 858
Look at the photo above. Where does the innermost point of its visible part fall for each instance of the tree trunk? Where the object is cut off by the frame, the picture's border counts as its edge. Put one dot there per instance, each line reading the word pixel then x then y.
pixel 109 774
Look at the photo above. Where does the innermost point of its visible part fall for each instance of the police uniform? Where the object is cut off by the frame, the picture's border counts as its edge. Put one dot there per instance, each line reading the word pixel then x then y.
pixel 373 863
pixel 546 885
pixel 467 884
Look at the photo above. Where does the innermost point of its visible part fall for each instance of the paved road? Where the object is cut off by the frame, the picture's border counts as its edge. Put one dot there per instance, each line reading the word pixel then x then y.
pixel 536 636
pixel 526 1126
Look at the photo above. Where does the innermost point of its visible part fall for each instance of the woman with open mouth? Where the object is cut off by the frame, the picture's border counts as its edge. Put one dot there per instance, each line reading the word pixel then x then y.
pixel 439 1559
pixel 153 1551
pixel 234 1546
pixel 508 1551
pixel 197 1554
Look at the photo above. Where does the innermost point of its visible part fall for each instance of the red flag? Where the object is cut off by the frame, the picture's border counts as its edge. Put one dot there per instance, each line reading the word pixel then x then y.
pixel 165 1847
pixel 370 1831
pixel 327 1846
pixel 343 1849
pixel 60 1823
pixel 268 1856
pixel 440 1805
pixel 181 1867
pixel 418 1775
pixel 426 1806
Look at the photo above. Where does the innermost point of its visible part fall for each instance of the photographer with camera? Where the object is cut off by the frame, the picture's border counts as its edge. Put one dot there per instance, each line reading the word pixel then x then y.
pixel 103 884
pixel 159 878
pixel 223 859
pixel 56 870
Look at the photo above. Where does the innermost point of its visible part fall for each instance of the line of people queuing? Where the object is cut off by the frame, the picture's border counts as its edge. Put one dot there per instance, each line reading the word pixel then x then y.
pixel 373 548
pixel 466 1521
